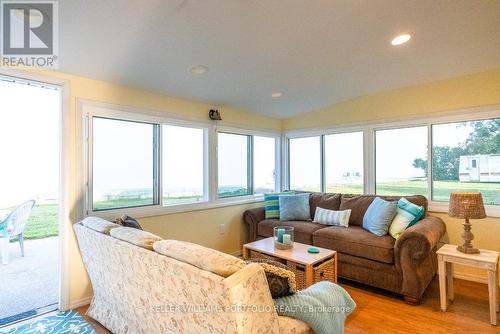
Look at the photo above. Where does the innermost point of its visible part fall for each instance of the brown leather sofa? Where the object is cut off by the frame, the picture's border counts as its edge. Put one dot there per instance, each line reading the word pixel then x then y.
pixel 405 266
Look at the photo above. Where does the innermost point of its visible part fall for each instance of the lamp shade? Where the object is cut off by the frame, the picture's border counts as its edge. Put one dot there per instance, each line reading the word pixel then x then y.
pixel 466 205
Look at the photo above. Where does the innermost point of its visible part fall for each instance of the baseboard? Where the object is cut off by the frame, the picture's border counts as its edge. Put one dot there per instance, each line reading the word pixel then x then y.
pixel 237 253
pixel 80 302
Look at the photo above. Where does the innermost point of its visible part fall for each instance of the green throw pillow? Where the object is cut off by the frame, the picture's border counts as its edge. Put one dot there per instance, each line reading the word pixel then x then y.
pixel 272 204
pixel 416 211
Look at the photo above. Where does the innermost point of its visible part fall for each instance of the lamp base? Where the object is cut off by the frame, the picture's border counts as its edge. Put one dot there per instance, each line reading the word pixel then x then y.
pixel 467 249
pixel 467 235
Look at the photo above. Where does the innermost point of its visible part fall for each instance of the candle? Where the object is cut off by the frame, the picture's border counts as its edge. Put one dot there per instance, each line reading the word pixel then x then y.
pixel 287 239
pixel 279 234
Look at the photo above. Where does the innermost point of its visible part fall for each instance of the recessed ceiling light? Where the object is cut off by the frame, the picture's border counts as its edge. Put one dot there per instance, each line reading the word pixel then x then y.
pixel 198 69
pixel 401 39
pixel 276 94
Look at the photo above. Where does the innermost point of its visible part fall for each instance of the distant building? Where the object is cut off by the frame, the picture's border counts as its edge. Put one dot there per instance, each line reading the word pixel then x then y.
pixel 479 168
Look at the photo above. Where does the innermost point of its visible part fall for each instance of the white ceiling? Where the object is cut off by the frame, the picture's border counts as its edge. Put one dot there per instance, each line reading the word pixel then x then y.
pixel 317 52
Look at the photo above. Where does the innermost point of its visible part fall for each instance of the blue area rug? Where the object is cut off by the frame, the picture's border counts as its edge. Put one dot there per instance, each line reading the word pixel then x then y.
pixel 64 322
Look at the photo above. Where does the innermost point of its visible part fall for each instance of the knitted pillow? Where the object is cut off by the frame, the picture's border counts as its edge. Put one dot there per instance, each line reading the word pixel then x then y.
pixel 281 281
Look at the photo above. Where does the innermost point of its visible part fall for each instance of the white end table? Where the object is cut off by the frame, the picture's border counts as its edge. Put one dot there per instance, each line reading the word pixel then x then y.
pixel 488 260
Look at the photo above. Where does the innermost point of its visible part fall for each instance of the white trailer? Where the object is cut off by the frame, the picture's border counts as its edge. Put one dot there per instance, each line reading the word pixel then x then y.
pixel 479 168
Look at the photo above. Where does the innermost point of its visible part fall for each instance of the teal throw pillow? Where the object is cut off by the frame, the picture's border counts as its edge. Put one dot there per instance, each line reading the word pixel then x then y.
pixel 295 207
pixel 379 216
pixel 272 204
pixel 416 211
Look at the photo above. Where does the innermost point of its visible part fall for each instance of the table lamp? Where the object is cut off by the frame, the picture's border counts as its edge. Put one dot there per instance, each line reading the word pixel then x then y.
pixel 467 205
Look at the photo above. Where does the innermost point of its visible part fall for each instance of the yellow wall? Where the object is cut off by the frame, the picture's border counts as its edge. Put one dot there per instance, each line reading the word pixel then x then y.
pixel 468 91
pixel 198 226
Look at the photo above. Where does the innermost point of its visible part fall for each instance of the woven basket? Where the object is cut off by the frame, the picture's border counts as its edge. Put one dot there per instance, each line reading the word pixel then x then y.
pixel 258 255
pixel 325 272
pixel 300 274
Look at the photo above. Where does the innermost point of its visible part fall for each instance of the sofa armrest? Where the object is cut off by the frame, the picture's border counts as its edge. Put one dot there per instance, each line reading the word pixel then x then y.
pixel 251 301
pixel 252 218
pixel 421 238
pixel 415 256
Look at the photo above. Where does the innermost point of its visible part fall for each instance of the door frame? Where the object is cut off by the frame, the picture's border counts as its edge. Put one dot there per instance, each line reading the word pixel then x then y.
pixel 65 141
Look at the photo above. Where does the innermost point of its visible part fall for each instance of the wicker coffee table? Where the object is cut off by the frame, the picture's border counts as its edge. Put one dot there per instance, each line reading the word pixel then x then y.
pixel 308 268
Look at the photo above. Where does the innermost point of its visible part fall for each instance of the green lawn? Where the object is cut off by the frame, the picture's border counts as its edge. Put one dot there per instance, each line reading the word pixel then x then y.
pixel 442 189
pixel 43 221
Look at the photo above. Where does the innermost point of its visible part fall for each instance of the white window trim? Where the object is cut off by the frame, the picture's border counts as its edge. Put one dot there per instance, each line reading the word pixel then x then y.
pixel 277 159
pixel 369 129
pixel 87 109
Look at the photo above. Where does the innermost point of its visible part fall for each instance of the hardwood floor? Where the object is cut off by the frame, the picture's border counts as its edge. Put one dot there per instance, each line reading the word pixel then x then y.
pixel 382 312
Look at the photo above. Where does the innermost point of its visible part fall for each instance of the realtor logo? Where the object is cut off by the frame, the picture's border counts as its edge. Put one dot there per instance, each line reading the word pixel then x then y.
pixel 29 32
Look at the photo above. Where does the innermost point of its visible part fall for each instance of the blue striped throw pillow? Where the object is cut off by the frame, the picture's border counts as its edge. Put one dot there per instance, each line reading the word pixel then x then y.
pixel 272 204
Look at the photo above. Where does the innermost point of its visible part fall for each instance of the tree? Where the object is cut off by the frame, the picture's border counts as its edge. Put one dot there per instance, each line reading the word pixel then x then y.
pixel 446 162
pixel 485 138
pixel 422 164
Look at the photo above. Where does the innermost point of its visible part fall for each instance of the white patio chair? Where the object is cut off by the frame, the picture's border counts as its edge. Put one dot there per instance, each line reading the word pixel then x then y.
pixel 13 226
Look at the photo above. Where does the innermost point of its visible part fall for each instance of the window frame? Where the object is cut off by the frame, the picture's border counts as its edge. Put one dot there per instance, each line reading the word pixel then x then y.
pixel 369 134
pixel 156 157
pixel 250 162
pixel 87 109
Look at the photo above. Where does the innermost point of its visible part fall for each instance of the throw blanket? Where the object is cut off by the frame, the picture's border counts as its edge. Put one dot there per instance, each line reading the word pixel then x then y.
pixel 324 306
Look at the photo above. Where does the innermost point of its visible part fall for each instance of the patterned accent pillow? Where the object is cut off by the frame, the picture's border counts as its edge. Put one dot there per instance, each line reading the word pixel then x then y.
pixel 128 221
pixel 99 224
pixel 134 236
pixel 416 211
pixel 332 217
pixel 379 216
pixel 202 257
pixel 272 204
pixel 295 207
pixel 400 223
pixel 281 281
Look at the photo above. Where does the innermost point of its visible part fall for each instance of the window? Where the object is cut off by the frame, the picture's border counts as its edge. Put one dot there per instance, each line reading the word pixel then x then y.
pixel 344 163
pixel 466 157
pixel 233 154
pixel 183 165
pixel 401 161
pixel 264 162
pixel 124 171
pixel 305 163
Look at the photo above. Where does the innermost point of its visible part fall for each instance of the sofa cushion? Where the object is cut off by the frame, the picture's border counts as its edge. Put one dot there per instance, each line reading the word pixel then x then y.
pixel 134 236
pixel 272 204
pixel 325 201
pixel 356 241
pixel 360 203
pixel 99 224
pixel 302 230
pixel 379 216
pixel 294 207
pixel 204 258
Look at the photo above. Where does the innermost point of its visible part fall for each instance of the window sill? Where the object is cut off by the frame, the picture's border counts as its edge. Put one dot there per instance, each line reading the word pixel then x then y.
pixel 492 211
pixel 158 210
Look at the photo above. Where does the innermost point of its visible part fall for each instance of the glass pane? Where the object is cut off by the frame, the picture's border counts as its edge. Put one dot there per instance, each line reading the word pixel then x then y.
pixel 466 157
pixel 401 161
pixel 123 159
pixel 264 156
pixel 344 163
pixel 233 165
pixel 305 164
pixel 183 164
